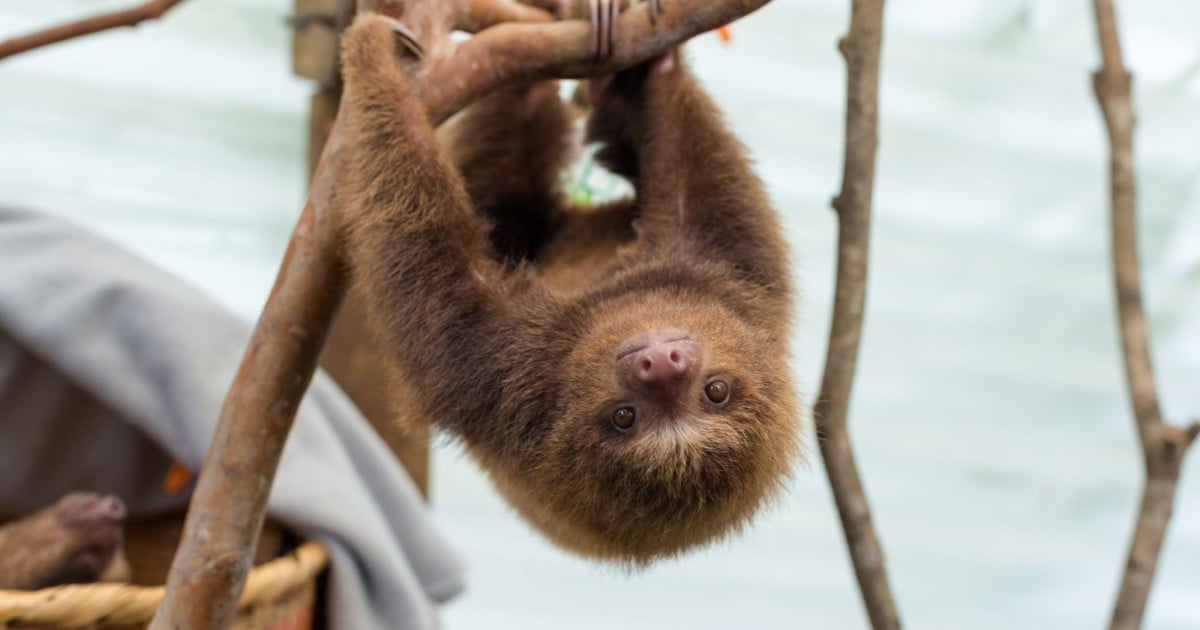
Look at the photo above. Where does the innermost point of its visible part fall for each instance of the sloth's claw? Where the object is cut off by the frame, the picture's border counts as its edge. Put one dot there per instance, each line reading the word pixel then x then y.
pixel 655 11
pixel 604 15
pixel 407 39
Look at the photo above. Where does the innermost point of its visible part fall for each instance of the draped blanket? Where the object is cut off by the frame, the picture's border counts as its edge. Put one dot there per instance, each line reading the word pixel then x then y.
pixel 110 369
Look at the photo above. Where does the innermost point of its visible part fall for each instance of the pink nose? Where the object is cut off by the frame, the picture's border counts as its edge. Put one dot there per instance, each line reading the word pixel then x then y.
pixel 87 509
pixel 662 364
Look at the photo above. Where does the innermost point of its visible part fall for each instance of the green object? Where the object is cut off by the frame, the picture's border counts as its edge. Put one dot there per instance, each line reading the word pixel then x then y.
pixel 582 192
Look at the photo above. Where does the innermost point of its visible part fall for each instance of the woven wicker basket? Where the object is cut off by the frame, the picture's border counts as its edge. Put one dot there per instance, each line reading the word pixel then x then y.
pixel 279 593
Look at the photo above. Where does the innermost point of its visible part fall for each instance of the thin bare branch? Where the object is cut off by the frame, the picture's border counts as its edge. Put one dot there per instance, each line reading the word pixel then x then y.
pixel 1163 446
pixel 229 503
pixel 860 47
pixel 86 26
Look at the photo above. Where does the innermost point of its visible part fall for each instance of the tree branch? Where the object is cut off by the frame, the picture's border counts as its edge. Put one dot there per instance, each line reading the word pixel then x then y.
pixel 86 26
pixel 1163 446
pixel 523 52
pixel 860 47
pixel 228 506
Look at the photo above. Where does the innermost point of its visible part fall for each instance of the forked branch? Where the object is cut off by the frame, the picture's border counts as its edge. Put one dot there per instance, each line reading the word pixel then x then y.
pixel 229 503
pixel 518 49
pixel 1163 445
pixel 860 47
pixel 126 17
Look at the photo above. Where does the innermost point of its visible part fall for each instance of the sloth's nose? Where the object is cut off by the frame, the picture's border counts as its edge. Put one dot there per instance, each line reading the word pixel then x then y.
pixel 659 362
pixel 663 365
pixel 88 508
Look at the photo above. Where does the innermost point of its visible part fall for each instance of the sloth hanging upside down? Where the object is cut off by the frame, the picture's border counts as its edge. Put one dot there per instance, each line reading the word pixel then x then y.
pixel 620 371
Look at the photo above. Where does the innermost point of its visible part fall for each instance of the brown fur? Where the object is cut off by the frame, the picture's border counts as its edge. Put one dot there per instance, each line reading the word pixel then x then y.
pixel 504 307
pixel 76 540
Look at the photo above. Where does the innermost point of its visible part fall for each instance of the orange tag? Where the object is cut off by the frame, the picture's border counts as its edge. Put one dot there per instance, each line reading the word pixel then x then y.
pixel 726 34
pixel 177 478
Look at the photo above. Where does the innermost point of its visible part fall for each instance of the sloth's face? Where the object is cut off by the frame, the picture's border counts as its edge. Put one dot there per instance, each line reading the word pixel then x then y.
pixel 679 423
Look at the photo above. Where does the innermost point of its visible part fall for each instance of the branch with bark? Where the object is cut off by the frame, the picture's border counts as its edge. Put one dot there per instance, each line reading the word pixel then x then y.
pixel 86 26
pixel 513 44
pixel 1163 445
pixel 860 47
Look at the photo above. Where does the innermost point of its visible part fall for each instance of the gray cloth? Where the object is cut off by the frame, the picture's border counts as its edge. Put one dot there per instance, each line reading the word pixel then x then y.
pixel 110 368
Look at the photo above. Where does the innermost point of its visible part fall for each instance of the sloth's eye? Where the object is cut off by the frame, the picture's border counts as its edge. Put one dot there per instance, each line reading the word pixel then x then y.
pixel 623 418
pixel 717 391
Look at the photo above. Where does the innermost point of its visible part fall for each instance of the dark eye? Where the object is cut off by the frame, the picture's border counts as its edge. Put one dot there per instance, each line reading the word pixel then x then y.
pixel 623 418
pixel 717 391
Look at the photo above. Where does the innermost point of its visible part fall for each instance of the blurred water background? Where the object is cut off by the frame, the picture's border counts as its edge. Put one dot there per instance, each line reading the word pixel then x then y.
pixel 991 419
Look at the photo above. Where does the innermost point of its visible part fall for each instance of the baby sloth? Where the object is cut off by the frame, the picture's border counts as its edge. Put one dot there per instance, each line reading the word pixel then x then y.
pixel 76 540
pixel 620 371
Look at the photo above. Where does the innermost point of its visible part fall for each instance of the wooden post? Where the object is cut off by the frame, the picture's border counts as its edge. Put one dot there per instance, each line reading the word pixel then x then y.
pixel 351 355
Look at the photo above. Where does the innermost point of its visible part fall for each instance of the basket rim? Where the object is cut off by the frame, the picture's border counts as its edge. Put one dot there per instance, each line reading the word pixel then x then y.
pixel 110 603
